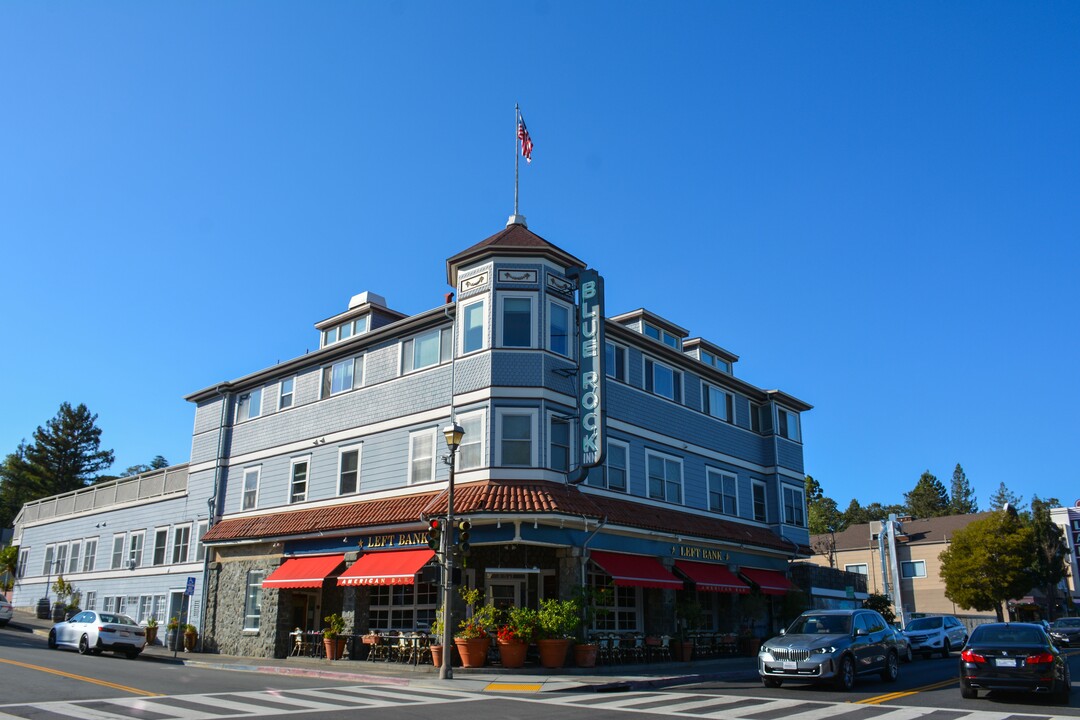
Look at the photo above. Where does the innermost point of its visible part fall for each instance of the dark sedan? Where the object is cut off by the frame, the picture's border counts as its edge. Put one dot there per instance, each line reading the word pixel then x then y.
pixel 1066 631
pixel 1013 657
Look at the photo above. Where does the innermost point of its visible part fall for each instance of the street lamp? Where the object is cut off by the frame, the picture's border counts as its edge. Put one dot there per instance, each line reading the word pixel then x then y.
pixel 453 434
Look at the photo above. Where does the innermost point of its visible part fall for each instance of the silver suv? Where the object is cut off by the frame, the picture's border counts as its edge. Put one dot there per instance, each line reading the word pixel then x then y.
pixel 830 645
pixel 937 634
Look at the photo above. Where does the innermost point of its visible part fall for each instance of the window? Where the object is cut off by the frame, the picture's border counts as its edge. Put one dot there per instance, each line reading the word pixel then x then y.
pixel 298 481
pixel 622 614
pixel 719 404
pixel 74 556
pixel 200 549
pixel 430 348
pixel 249 405
pixel 343 376
pixel 251 488
pixel 253 600
pixel 616 464
pixel 161 540
pixel 559 444
pixel 665 477
pixel 615 361
pixel 135 549
pixel 517 321
pixel 755 416
pixel 471 453
pixel 90 599
pixel 760 505
pixel 24 557
pixel 859 568
pixel 913 569
pixel 346 330
pixel 787 424
pixel 794 507
pixel 709 359
pixel 349 470
pixel 90 555
pixel 50 552
pixel 61 558
pixel 402 607
pixel 722 492
pixel 422 456
pixel 517 428
pixel 558 328
pixel 662 335
pixel 285 393
pixel 663 380
pixel 181 543
pixel 117 551
pixel 473 335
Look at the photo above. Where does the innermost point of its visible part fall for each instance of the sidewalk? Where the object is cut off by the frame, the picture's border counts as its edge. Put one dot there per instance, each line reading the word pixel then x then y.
pixel 607 678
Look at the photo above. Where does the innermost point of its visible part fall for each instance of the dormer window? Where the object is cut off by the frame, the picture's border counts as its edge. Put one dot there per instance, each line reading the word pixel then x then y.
pixel 346 330
pixel 662 335
pixel 709 359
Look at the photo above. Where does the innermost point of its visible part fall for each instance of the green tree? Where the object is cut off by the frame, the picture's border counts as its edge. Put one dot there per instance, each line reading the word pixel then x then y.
pixel 16 485
pixel 1051 551
pixel 928 498
pixel 988 562
pixel 9 563
pixel 961 496
pixel 1005 495
pixel 883 604
pixel 66 454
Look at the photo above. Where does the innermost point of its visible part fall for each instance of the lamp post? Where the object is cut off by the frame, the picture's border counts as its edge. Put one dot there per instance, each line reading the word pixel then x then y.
pixel 453 434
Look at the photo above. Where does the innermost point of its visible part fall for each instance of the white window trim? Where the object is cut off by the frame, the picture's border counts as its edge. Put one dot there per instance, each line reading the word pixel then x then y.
pixel 172 546
pixel 483 302
pixel 569 328
pixel 292 401
pixel 534 418
pixel 626 448
pixel 533 320
pixel 411 343
pixel 729 403
pixel 865 568
pixel 89 558
pixel 765 493
pixel 709 472
pixel 293 462
pixel 243 487
pixel 433 433
pixel 784 490
pixel 240 406
pixel 551 421
pixel 260 576
pixel 793 418
pixel 200 529
pixel 359 449
pixel 327 388
pixel 682 473
pixel 165 547
pixel 645 360
pixel 142 548
pixel 914 564
pixel 625 362
pixel 470 416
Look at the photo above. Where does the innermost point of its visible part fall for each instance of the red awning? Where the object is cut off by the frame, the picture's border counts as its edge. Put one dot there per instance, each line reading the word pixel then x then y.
pixel 396 567
pixel 710 577
pixel 771 582
pixel 636 570
pixel 304 572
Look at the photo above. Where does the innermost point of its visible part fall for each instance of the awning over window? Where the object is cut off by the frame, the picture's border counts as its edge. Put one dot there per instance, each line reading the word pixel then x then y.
pixel 711 577
pixel 771 582
pixel 304 572
pixel 636 570
pixel 396 567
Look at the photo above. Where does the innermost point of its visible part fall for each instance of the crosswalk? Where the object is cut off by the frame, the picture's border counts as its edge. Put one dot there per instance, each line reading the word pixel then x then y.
pixel 219 706
pixel 741 707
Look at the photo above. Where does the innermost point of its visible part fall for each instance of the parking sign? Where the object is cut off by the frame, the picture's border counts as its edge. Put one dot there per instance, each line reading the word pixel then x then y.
pixel 190 586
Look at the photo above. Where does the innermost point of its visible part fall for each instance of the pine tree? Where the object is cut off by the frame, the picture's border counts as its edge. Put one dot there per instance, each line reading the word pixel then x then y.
pixel 928 498
pixel 16 486
pixel 961 497
pixel 1005 495
pixel 1051 551
pixel 66 454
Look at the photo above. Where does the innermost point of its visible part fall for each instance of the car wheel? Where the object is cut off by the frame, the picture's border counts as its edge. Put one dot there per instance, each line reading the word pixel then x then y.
pixel 908 655
pixel 132 653
pixel 3 623
pixel 845 679
pixel 84 645
pixel 52 639
pixel 946 649
pixel 891 671
pixel 967 692
pixel 771 682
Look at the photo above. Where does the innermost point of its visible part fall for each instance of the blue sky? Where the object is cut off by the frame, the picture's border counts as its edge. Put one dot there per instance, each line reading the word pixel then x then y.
pixel 873 204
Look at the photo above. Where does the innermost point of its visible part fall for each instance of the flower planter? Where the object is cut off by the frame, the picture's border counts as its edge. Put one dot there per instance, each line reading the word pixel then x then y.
pixel 172 639
pixel 512 654
pixel 473 651
pixel 59 612
pixel 190 639
pixel 553 653
pixel 585 654
pixel 682 650
pixel 334 646
pixel 151 634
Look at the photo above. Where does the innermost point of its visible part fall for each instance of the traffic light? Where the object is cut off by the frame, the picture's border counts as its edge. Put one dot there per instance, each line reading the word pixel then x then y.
pixel 434 534
pixel 463 536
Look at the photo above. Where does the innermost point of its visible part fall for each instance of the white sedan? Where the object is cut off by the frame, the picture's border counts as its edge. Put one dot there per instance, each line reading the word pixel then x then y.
pixel 94 632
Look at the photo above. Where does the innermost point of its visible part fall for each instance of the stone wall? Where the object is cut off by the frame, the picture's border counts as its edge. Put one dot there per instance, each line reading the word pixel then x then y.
pixel 225 631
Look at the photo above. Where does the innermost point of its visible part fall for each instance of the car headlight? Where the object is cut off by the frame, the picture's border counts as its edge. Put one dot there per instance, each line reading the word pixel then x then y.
pixel 823 651
pixel 767 655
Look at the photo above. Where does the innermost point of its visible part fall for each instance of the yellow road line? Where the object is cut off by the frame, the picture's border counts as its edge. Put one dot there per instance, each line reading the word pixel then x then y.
pixel 904 693
pixel 95 681
pixel 513 687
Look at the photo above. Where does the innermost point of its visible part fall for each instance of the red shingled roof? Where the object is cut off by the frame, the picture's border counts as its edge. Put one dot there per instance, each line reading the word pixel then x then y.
pixel 495 496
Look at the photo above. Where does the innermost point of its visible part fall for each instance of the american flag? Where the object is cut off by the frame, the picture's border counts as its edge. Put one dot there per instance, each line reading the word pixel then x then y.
pixel 526 141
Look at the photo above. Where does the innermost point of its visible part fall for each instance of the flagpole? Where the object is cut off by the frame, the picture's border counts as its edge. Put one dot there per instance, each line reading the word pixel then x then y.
pixel 517 160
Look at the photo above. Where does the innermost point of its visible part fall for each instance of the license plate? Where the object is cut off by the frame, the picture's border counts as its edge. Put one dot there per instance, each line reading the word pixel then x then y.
pixel 791 665
pixel 124 633
pixel 1005 662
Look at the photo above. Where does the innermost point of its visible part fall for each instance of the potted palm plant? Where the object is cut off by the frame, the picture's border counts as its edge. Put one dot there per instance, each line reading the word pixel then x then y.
pixel 191 637
pixel 515 634
pixel 151 630
pixel 332 640
pixel 471 639
pixel 593 602
pixel 556 623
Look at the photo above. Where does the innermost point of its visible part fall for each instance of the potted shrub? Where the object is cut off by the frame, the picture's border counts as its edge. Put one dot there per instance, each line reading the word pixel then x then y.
pixel 332 640
pixel 515 635
pixel 151 630
pixel 191 637
pixel 556 623
pixel 436 640
pixel 689 614
pixel 172 632
pixel 471 639
pixel 589 597
pixel 64 590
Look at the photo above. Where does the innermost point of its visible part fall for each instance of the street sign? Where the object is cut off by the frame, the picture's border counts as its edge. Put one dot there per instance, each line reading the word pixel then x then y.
pixel 190 586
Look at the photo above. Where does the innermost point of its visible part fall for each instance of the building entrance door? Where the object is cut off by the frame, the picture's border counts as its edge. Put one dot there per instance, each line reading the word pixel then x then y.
pixel 305 611
pixel 505 590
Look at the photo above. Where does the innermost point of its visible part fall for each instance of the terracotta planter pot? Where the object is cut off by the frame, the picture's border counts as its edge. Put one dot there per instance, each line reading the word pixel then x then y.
pixel 436 655
pixel 151 635
pixel 473 651
pixel 189 641
pixel 682 651
pixel 585 654
pixel 553 653
pixel 335 647
pixel 512 654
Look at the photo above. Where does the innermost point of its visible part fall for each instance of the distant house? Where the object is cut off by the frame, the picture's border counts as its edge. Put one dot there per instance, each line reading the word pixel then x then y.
pixel 1069 520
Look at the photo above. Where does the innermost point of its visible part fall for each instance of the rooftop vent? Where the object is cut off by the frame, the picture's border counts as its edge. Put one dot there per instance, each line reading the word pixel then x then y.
pixel 365 298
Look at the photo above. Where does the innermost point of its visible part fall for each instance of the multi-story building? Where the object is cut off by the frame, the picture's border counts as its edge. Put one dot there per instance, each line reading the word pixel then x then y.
pixel 1068 518
pixel 127 546
pixel 326 468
